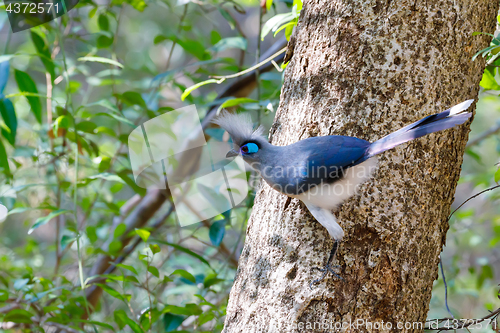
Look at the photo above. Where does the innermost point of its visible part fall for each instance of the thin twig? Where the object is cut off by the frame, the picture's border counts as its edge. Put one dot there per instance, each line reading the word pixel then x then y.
pixel 9 308
pixel 469 199
pixel 248 70
pixel 492 316
pixel 9 35
pixel 174 42
pixel 467 322
pixel 445 287
pixel 257 71
pixel 492 130
pixel 242 33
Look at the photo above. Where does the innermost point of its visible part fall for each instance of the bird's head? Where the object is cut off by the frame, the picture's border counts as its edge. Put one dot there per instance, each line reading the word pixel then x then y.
pixel 247 141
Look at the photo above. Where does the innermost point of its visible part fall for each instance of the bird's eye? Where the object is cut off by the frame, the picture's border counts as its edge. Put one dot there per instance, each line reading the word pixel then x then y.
pixel 249 148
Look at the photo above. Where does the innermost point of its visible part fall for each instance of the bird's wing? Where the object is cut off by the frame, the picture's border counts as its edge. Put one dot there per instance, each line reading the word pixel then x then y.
pixel 341 151
pixel 327 158
pixel 327 220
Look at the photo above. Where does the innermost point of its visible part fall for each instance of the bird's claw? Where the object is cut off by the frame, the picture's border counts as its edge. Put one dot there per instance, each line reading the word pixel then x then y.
pixel 325 271
pixel 328 267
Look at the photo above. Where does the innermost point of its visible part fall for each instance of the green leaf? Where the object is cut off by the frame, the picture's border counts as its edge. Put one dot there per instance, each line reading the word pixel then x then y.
pixel 211 279
pixel 486 273
pixel 159 38
pixel 4 162
pixel 153 270
pixel 188 310
pixel 65 240
pixel 230 43
pixel 155 248
pixel 74 86
pixel 497 176
pixel 193 47
pixel 20 210
pixel 488 81
pixel 113 292
pixel 236 101
pixel 105 130
pixel 217 232
pixel 101 60
pixel 229 19
pixel 214 37
pixel 86 126
pixel 44 54
pixel 185 274
pixel 122 319
pixel 134 326
pixel 269 3
pixel 124 176
pixel 494 242
pixel 275 22
pixel 9 117
pixel 91 234
pixel 107 176
pixel 286 26
pixel 474 155
pixel 103 22
pixel 475 33
pixel 26 84
pixel 205 318
pixel 116 117
pixel 62 122
pixel 106 104
pixel 4 295
pixel 143 233
pixel 183 249
pixel 171 321
pixel 119 230
pixel 92 12
pixel 18 316
pixel 127 267
pixel 105 164
pixel 115 247
pixel 138 5
pixel 196 86
pixel 149 316
pixel 133 98
pixel 297 4
pixel 96 323
pixel 44 220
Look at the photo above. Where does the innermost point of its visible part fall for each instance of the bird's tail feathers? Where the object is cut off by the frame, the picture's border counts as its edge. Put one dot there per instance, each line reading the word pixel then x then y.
pixel 430 124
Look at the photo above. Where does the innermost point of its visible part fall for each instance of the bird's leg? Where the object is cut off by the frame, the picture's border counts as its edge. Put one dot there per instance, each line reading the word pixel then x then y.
pixel 328 268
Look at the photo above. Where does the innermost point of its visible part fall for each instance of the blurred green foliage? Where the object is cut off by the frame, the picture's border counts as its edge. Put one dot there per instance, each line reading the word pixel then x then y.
pixel 72 90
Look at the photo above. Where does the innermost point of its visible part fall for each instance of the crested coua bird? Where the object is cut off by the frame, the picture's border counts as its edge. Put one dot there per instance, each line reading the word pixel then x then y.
pixel 324 171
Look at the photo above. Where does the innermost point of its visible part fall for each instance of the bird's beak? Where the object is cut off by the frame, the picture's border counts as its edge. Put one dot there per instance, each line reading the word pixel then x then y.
pixel 232 153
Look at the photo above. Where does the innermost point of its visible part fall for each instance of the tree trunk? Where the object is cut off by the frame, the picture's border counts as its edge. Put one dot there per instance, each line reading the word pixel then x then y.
pixel 364 68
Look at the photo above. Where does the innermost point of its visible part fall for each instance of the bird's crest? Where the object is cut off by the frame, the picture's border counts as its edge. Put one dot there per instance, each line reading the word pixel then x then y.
pixel 239 126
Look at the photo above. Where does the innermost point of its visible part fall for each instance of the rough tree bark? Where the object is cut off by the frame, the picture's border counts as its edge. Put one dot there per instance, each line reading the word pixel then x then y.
pixel 364 68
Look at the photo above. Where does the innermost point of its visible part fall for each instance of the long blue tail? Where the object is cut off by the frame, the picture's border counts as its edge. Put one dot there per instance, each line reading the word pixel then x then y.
pixel 430 124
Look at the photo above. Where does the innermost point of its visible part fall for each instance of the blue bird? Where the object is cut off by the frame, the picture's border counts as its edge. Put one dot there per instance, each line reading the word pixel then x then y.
pixel 324 171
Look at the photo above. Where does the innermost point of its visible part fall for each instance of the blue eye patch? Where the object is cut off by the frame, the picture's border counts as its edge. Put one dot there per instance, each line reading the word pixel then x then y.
pixel 249 148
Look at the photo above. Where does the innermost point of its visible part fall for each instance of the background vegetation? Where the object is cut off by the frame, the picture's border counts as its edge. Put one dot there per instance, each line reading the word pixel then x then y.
pixel 71 92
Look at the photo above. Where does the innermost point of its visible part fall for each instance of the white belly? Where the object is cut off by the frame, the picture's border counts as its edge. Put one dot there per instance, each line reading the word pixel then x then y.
pixel 330 196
